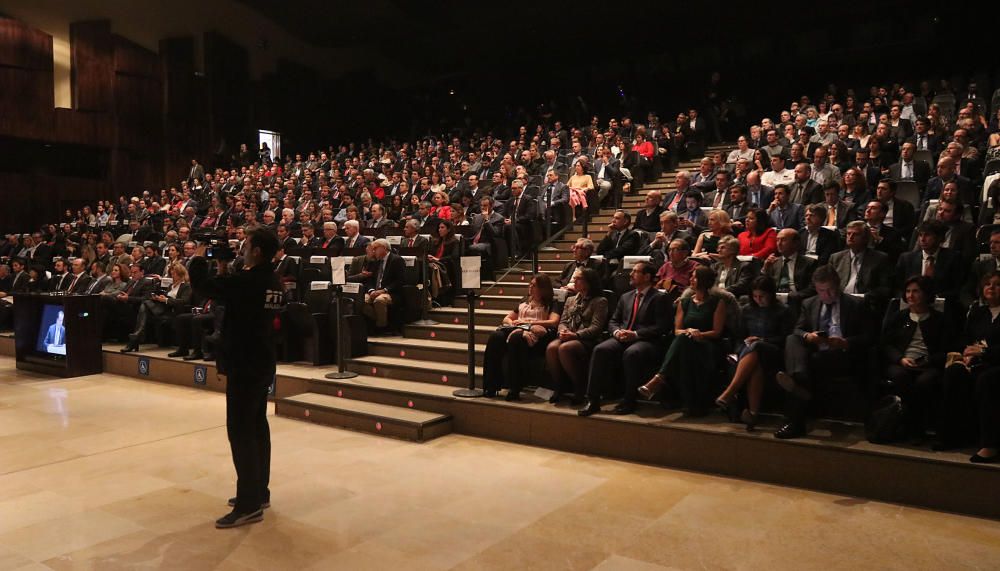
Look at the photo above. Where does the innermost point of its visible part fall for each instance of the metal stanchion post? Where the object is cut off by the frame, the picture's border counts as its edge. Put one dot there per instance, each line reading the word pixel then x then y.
pixel 340 373
pixel 472 391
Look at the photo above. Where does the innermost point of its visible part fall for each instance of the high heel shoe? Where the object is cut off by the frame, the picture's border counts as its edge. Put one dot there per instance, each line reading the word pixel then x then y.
pixel 723 404
pixel 649 390
pixel 749 419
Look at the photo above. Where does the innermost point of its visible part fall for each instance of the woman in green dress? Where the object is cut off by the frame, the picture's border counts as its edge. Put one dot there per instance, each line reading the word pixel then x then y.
pixel 692 362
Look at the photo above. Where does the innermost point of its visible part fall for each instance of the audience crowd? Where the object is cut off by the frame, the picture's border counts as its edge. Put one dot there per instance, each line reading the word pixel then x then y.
pixel 843 257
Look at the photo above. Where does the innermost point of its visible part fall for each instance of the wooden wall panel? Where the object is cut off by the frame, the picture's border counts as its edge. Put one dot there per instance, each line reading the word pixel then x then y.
pixel 92 69
pixel 132 59
pixel 26 102
pixel 23 46
pixel 24 212
pixel 94 129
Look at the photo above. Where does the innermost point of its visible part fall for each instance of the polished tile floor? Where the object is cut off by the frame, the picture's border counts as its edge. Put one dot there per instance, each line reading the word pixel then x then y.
pixel 107 472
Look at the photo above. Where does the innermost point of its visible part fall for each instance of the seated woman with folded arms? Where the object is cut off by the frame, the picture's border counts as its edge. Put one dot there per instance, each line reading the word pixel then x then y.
pixel 764 324
pixel 524 332
pixel 583 320
pixel 692 360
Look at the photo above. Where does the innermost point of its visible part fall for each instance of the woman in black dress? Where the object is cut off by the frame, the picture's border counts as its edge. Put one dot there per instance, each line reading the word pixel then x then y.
pixel 765 322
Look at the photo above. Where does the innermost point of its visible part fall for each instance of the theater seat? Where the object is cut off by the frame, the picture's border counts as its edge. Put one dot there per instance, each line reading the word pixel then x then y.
pixel 306 337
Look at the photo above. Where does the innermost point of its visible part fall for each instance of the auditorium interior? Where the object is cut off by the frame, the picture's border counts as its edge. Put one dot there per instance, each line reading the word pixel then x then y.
pixel 684 289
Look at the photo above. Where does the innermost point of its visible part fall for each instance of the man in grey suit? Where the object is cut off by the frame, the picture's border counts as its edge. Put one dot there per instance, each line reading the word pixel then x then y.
pixel 861 269
pixel 553 199
pixel 411 239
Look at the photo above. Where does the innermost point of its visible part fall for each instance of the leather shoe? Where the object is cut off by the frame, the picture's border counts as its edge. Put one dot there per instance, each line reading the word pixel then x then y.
pixel 208 357
pixel 178 353
pixel 194 356
pixel 130 348
pixel 593 407
pixel 623 408
pixel 977 459
pixel 790 430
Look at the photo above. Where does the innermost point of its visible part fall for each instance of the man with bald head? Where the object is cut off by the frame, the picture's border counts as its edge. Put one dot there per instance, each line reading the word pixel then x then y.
pixel 804 189
pixel 945 174
pixel 791 271
pixel 648 217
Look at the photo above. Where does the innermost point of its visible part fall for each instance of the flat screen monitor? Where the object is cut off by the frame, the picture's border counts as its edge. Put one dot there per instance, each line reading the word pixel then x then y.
pixel 51 332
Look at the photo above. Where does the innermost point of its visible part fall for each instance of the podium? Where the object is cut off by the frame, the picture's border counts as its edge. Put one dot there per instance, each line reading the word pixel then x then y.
pixel 67 348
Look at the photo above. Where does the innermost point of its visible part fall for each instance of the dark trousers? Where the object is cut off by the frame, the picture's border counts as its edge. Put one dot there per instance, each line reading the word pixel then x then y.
pixel 971 397
pixel 249 438
pixel 635 362
pixel 918 388
pixel 810 367
pixel 189 329
pixel 518 356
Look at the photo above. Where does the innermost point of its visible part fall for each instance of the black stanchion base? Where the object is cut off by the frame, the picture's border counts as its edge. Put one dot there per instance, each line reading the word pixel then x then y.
pixel 468 393
pixel 340 375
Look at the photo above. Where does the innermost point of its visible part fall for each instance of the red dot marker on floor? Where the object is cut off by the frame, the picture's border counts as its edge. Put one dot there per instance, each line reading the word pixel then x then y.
pixel 409 404
pixel 482 304
pixel 306 413
pixel 456 320
pixel 558 256
pixel 444 378
pixel 378 426
pixel 402 353
pixel 433 334
pixel 374 370
pixel 340 393
pixel 501 291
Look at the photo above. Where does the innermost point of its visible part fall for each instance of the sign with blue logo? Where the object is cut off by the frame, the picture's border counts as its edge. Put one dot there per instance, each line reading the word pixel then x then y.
pixel 200 375
pixel 144 366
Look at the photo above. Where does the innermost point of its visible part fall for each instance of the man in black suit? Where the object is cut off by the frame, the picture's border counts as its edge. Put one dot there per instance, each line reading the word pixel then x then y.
pixel 636 346
pixel 309 238
pixel 884 239
pixel 960 236
pixel 815 239
pixel 910 169
pixel 521 214
pixel 331 241
pixel 783 213
pixel 737 207
pixel 924 141
pixel 99 279
pixel 659 246
pixel 758 195
pixel 791 272
pixel 648 217
pixel 353 238
pixel 607 172
pixel 831 337
pixel 553 200
pixel 940 264
pixel 384 287
pixel 285 240
pixel 803 189
pixel 861 269
pixel 946 174
pixel 900 214
pixel 60 276
pixel 80 279
pixel 620 241
pixel 123 308
pixel 582 252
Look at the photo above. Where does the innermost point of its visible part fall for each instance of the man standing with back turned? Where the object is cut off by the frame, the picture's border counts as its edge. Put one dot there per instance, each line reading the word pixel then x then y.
pixel 251 297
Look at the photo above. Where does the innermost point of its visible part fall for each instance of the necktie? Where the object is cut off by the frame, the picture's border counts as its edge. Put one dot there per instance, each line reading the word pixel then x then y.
pixel 72 284
pixel 62 280
pixel 784 276
pixel 780 222
pixel 855 271
pixel 635 311
pixel 907 171
pixel 824 317
pixel 929 267
pixel 412 240
pixel 516 202
pixel 381 271
pixel 55 340
pixel 921 143
pixel 831 216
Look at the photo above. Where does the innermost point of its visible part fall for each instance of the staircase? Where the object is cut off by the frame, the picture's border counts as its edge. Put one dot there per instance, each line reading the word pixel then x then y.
pixel 437 354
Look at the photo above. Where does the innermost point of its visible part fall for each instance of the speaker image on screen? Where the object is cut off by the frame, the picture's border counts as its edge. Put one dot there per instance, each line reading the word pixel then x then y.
pixel 52 333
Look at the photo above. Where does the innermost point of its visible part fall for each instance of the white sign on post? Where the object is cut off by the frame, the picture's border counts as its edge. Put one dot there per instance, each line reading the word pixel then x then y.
pixel 353 287
pixel 470 272
pixel 337 274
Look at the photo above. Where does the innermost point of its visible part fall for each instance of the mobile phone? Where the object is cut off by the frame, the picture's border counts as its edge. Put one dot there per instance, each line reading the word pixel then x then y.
pixel 822 334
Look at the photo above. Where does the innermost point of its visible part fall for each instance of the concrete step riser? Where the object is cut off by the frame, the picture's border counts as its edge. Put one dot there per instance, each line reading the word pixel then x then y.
pixel 427 353
pixel 370 424
pixel 458 335
pixel 507 304
pixel 388 371
pixel 464 319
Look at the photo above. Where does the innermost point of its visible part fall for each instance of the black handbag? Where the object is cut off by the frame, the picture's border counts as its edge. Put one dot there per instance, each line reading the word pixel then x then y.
pixel 885 424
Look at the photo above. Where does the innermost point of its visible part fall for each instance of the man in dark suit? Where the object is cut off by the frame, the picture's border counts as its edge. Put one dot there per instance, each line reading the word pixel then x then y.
pixel 960 236
pixel 758 195
pixel 902 213
pixel 384 287
pixel 353 239
pixel 620 241
pixel 924 141
pixel 582 252
pixel 521 214
pixel 285 240
pixel 940 264
pixel 861 269
pixel 946 174
pixel 123 308
pixel 81 279
pixel 331 241
pixel 791 272
pixel 838 212
pixel 99 279
pixel 816 240
pixel 60 276
pixel 553 199
pixel 607 173
pixel 737 207
pixel 648 217
pixel 831 337
pixel 56 334
pixel 411 237
pixel 884 238
pixel 803 189
pixel 657 248
pixel 909 168
pixel 783 213
pixel 378 220
pixel 636 346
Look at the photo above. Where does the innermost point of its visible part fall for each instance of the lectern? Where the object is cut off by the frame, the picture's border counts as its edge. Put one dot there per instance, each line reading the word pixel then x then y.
pixel 58 334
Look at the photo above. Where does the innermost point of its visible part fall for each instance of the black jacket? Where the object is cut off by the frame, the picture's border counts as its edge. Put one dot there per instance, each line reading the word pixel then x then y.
pixel 392 277
pixel 898 329
pixel 626 245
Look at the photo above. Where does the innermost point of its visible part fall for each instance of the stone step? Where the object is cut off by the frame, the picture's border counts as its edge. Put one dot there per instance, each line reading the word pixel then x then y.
pixel 435 372
pixel 460 315
pixel 507 302
pixel 450 331
pixel 375 418
pixel 509 287
pixel 427 350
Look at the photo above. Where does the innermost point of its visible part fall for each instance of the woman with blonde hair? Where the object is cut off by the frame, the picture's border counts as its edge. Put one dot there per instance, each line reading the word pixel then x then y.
pixel 719 225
